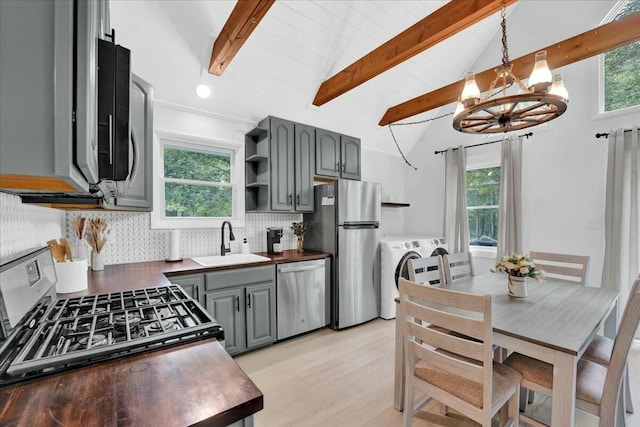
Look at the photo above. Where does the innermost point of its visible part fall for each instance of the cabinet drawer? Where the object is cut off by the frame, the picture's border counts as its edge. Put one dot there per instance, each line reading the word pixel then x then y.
pixel 238 277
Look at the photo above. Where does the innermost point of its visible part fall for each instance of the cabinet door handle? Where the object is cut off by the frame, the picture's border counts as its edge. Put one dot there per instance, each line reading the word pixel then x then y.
pixel 237 303
pixel 337 166
pixel 343 167
pixel 298 199
pixel 197 289
pixel 249 300
pixel 110 139
pixel 290 200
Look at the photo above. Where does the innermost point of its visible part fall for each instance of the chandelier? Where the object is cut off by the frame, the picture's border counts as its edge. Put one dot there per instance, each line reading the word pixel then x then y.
pixel 544 99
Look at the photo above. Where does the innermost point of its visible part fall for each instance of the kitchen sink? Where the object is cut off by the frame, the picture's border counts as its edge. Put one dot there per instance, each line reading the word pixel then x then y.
pixel 219 261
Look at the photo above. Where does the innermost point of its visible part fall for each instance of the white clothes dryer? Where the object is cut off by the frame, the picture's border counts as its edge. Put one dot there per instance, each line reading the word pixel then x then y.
pixel 395 252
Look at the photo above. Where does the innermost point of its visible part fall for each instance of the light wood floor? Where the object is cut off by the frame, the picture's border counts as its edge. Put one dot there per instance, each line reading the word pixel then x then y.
pixel 345 378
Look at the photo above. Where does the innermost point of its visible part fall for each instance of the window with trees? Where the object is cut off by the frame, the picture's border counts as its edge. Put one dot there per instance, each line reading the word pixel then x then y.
pixel 621 66
pixel 197 182
pixel 483 191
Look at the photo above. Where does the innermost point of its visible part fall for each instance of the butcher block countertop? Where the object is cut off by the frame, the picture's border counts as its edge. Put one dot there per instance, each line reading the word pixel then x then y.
pixel 189 384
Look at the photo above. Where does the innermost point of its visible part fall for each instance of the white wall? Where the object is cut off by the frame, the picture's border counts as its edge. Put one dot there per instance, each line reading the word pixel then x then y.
pixel 386 169
pixel 564 164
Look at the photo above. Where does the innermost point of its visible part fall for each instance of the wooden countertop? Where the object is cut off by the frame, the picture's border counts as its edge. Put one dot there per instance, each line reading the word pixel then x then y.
pixel 195 383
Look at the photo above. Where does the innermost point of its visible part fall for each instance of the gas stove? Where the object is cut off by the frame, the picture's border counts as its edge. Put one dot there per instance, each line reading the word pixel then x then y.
pixel 53 335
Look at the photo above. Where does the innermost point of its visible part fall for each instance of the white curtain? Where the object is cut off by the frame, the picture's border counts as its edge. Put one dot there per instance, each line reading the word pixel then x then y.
pixel 510 199
pixel 456 221
pixel 622 241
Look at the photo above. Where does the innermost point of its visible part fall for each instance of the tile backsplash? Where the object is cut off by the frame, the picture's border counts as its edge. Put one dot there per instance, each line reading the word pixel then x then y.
pixel 131 238
pixel 24 226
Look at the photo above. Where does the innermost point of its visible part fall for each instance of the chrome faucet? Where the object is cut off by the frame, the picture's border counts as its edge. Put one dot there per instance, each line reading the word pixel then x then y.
pixel 223 248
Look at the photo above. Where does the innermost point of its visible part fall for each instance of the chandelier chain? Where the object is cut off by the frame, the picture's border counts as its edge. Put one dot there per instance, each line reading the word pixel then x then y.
pixel 505 45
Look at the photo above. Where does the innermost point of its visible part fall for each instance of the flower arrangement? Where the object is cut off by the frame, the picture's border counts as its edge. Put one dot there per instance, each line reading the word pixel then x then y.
pixel 97 234
pixel 518 265
pixel 299 228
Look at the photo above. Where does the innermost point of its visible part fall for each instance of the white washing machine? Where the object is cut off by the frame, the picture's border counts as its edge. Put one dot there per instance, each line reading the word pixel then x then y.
pixel 395 252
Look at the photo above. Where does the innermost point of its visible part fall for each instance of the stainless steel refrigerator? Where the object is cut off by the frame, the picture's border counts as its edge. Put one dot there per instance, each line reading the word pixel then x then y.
pixel 345 223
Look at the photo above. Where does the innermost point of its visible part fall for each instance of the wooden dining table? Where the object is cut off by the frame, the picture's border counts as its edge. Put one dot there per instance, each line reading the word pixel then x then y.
pixel 555 323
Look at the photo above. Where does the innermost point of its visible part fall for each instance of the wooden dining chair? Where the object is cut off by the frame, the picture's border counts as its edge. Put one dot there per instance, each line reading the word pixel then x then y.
pixel 574 268
pixel 427 270
pixel 456 370
pixel 457 266
pixel 597 385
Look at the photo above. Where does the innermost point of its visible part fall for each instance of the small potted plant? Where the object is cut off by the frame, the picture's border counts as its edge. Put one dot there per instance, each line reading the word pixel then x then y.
pixel 518 267
pixel 299 228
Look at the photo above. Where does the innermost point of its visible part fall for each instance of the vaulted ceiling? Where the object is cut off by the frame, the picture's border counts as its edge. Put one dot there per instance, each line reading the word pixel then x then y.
pixel 298 45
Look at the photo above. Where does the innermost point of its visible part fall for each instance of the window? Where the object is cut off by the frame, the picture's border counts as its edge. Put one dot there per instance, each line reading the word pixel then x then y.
pixel 621 67
pixel 483 190
pixel 195 185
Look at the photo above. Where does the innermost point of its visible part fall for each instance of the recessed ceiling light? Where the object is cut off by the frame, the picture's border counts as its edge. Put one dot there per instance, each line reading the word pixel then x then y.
pixel 203 91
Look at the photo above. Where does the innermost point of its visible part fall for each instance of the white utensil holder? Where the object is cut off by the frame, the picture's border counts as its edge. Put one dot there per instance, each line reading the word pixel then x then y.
pixel 71 276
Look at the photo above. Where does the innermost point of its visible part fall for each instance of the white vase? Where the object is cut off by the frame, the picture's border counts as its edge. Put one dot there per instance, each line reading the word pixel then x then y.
pixel 97 261
pixel 517 286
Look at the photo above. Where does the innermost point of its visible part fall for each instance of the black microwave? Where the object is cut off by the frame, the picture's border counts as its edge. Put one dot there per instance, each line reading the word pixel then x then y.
pixel 114 80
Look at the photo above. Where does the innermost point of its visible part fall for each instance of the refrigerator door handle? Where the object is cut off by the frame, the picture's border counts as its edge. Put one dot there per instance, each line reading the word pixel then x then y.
pixel 359 226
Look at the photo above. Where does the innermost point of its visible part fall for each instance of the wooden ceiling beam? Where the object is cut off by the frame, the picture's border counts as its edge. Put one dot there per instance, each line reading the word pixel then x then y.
pixel 243 20
pixel 445 22
pixel 591 43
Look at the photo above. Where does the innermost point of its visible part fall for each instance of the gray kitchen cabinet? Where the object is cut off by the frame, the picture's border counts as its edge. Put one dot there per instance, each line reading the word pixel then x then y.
pixel 243 300
pixel 281 159
pixel 37 85
pixel 193 284
pixel 350 157
pixel 140 194
pixel 327 153
pixel 227 307
pixel 279 166
pixel 337 156
pixel 245 422
pixel 261 309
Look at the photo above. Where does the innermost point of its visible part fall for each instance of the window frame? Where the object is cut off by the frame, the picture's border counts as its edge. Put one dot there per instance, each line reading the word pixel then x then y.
pixel 599 112
pixel 171 139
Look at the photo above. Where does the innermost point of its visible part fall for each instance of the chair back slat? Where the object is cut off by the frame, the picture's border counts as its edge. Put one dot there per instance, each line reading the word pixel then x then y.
pixel 452 343
pixel 427 270
pixel 619 355
pixel 452 321
pixel 573 268
pixel 458 266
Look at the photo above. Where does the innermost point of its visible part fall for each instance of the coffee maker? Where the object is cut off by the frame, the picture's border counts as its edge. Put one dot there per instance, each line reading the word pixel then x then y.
pixel 274 235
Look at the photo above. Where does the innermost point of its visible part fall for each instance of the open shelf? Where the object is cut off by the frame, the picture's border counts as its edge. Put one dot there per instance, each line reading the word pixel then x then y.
pixel 256 158
pixel 256 184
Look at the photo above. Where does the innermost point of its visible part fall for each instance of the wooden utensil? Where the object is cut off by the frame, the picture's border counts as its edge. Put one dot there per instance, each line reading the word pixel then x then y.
pixel 67 248
pixel 57 250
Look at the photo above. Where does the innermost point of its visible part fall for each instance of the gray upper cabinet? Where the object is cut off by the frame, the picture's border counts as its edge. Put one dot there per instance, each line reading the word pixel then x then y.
pixel 280 162
pixel 304 155
pixel 140 194
pixel 282 166
pixel 337 156
pixel 350 156
pixel 327 153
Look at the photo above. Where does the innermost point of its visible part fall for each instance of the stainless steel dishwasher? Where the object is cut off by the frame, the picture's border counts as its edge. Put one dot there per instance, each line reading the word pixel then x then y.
pixel 301 297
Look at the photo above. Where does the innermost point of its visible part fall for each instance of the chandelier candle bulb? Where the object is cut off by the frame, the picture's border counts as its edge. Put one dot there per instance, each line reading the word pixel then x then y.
pixel 540 79
pixel 557 87
pixel 471 92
